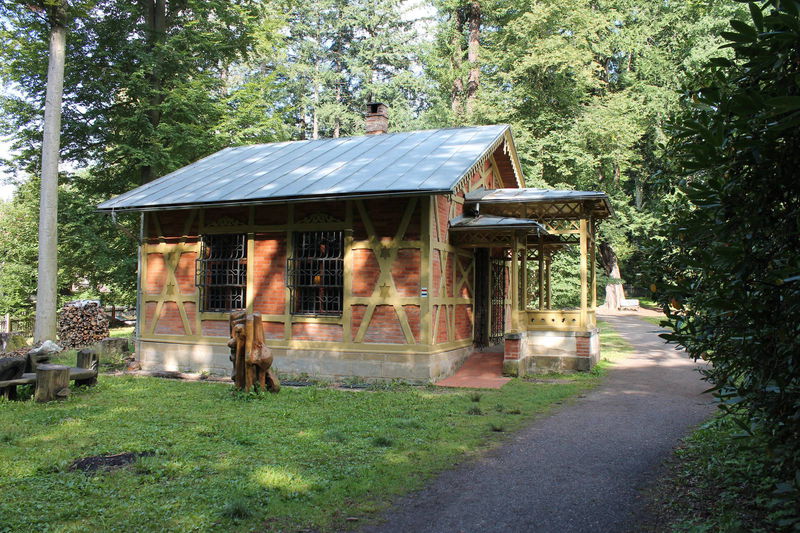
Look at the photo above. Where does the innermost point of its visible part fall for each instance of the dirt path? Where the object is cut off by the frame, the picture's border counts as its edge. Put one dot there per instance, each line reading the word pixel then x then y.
pixel 579 469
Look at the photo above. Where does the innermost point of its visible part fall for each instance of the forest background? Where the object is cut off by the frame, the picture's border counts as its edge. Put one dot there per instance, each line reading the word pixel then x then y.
pixel 686 113
pixel 153 85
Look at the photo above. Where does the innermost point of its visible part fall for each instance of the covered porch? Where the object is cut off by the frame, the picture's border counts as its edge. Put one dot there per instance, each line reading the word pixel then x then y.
pixel 526 228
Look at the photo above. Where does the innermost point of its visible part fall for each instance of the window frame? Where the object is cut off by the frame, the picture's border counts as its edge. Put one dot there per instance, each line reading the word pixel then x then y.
pixel 231 266
pixel 315 273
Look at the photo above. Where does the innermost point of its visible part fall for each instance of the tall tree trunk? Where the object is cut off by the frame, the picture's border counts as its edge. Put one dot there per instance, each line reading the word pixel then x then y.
pixel 638 192
pixel 337 122
pixel 155 22
pixel 473 51
pixel 456 61
pixel 614 291
pixel 314 116
pixel 47 283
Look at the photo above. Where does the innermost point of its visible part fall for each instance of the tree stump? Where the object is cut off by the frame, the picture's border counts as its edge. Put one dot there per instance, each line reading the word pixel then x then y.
pixel 52 383
pixel 252 361
pixel 88 358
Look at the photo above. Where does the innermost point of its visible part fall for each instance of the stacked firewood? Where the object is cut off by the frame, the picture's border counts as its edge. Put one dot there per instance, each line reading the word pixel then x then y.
pixel 81 323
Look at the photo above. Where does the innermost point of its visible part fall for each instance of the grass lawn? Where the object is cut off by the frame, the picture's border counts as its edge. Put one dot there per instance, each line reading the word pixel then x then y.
pixel 309 457
pixel 655 320
pixel 70 357
pixel 715 481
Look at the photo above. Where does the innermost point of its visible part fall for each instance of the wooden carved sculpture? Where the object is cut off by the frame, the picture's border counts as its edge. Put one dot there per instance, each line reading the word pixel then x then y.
pixel 252 361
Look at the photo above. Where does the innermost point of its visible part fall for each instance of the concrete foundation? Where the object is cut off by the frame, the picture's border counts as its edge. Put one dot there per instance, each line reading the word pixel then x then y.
pixel 541 352
pixel 323 364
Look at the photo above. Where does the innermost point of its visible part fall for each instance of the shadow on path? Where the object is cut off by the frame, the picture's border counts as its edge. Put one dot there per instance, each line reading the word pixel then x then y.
pixel 579 469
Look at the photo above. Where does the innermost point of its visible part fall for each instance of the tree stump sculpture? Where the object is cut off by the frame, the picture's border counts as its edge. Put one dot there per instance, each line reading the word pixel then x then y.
pixel 52 383
pixel 252 361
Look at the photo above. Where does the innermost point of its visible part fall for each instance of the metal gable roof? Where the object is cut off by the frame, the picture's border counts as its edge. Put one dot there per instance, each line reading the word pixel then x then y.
pixel 424 162
pixel 530 196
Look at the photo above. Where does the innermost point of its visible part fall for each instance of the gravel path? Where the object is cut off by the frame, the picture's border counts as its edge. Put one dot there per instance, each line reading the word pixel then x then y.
pixel 579 469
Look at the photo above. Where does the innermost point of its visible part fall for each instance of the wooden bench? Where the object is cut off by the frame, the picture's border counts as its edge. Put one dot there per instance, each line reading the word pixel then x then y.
pixel 628 305
pixel 83 374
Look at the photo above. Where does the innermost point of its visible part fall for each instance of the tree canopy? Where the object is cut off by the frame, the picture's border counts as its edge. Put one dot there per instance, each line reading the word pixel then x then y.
pixel 153 85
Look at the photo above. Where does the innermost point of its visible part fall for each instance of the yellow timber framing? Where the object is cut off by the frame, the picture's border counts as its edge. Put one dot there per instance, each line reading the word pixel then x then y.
pixel 170 292
pixel 439 245
pixel 385 291
pixel 385 252
pixel 384 248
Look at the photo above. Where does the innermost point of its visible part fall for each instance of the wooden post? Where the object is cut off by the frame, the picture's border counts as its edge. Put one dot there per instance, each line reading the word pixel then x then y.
pixel 8 323
pixel 52 383
pixel 426 318
pixel 250 279
pixel 593 264
pixel 347 289
pixel 584 240
pixel 249 332
pixel 541 274
pixel 549 295
pixel 515 284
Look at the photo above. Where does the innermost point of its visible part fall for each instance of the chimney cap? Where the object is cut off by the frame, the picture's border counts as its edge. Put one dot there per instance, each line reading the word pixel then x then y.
pixel 377 108
pixel 377 118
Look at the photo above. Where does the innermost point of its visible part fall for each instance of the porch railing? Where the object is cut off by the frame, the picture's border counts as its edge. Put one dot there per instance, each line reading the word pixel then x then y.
pixel 560 319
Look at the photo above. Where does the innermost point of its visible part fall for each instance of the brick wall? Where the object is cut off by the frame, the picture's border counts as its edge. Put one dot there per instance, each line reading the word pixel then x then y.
pixel 306 331
pixel 356 316
pixel 384 328
pixel 184 273
pixel 365 272
pixel 442 333
pixel 273 330
pixel 170 323
pixel 406 272
pixel 582 348
pixel 512 349
pixel 269 271
pixel 156 276
pixel 436 273
pixel 464 320
pixel 215 328
pixel 412 312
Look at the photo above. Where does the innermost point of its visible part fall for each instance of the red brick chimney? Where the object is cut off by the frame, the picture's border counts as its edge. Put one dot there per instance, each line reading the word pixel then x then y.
pixel 377 118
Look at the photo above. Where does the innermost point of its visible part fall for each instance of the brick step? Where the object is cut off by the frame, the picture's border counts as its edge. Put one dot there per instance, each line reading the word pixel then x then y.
pixel 481 370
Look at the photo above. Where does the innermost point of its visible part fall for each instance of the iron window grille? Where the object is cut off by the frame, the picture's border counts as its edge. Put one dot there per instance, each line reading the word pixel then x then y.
pixel 222 272
pixel 316 273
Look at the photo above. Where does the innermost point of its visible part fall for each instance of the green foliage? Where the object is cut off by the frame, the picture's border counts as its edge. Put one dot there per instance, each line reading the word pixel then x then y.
pixel 717 481
pixel 139 100
pixel 729 260
pixel 94 253
pixel 587 88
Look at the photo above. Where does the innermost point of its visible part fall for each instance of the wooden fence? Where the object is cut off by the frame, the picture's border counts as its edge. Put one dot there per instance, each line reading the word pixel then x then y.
pixel 9 324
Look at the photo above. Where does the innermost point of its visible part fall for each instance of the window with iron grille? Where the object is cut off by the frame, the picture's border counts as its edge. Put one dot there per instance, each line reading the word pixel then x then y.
pixel 222 272
pixel 316 273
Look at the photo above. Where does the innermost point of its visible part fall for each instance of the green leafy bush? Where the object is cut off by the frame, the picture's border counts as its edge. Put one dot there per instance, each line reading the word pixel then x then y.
pixel 729 263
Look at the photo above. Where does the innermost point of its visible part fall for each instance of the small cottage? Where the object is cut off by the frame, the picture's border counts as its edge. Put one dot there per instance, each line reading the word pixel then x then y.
pixel 378 256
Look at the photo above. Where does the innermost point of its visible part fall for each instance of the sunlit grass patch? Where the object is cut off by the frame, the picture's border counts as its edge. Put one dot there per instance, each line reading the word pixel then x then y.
pixel 222 461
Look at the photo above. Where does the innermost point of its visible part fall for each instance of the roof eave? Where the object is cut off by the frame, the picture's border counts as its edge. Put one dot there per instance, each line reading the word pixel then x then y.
pixel 265 201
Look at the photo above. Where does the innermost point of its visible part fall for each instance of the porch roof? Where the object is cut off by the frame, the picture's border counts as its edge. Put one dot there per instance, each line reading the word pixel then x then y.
pixel 545 203
pixel 491 222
